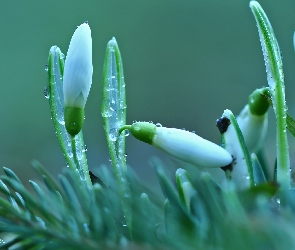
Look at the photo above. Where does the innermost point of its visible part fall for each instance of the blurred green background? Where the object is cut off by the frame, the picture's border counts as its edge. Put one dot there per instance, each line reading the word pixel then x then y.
pixel 184 61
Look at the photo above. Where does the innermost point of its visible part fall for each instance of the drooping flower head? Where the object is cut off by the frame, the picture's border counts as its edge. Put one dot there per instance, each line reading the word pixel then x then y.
pixel 253 120
pixel 184 145
pixel 77 78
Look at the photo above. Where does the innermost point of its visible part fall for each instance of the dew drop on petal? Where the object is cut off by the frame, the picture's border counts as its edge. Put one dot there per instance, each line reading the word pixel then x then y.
pixel 158 125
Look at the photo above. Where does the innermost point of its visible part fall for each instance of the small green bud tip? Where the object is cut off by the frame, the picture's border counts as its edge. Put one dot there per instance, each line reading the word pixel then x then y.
pixel 143 131
pixel 257 102
pixel 74 119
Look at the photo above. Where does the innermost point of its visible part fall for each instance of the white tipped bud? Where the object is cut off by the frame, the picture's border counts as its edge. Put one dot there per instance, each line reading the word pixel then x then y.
pixel 182 144
pixel 78 68
pixel 191 148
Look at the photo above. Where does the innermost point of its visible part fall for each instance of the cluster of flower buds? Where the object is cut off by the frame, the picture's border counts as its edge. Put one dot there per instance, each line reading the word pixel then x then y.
pixel 179 143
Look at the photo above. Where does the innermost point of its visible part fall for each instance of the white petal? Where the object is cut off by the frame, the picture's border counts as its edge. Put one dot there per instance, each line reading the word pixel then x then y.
pixel 78 68
pixel 191 148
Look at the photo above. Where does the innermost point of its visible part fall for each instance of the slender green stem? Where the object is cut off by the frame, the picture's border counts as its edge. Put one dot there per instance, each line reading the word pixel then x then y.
pixel 124 128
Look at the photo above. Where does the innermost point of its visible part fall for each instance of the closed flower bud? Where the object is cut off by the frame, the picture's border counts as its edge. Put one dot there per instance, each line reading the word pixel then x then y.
pixel 77 78
pixel 182 144
pixel 253 120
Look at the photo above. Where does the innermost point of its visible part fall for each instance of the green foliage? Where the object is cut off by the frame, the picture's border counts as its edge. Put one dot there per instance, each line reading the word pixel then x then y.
pixel 71 216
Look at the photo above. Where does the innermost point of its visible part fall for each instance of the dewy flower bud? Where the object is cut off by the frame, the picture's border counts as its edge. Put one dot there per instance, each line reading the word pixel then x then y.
pixel 253 120
pixel 182 144
pixel 77 78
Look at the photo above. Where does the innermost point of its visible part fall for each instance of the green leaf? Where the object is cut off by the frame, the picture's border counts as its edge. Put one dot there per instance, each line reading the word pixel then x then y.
pixel 275 78
pixel 73 149
pixel 48 179
pixel 114 102
pixel 185 187
pixel 258 172
pixel 114 117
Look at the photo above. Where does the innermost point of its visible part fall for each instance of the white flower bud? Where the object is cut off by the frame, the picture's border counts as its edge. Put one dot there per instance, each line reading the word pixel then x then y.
pixel 77 78
pixel 182 144
pixel 78 68
pixel 253 128
pixel 253 120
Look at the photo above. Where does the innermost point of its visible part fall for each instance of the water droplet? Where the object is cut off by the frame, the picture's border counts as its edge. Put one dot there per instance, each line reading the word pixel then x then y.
pixel 183 129
pixel 46 92
pixel 61 122
pixel 46 67
pixel 67 165
pixel 113 134
pixel 127 132
pixel 151 122
pixel 110 160
pixel 193 131
pixel 112 137
pixel 126 155
pixel 113 77
pixel 158 125
pixel 86 228
pixel 247 177
pixel 278 201
pixel 85 148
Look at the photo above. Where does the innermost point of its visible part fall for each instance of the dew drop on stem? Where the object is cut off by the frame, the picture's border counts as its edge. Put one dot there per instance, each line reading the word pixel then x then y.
pixel 127 132
pixel 46 92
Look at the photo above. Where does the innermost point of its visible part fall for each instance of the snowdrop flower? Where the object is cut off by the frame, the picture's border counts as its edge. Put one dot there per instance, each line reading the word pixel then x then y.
pixel 77 78
pixel 181 144
pixel 253 120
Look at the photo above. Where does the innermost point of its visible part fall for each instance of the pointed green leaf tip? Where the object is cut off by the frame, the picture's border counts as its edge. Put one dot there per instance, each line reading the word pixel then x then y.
pixel 143 131
pixel 74 119
pixel 258 104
